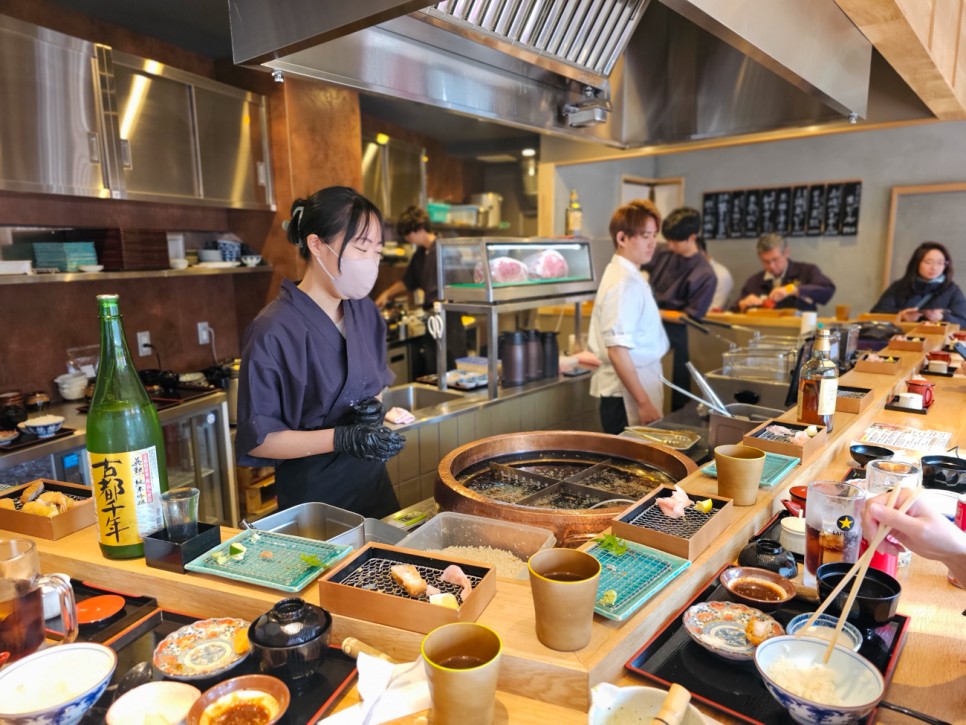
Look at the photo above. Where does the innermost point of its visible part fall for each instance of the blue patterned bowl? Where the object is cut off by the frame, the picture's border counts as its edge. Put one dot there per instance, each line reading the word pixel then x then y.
pixel 55 686
pixel 858 685
pixel 43 426
pixel 824 627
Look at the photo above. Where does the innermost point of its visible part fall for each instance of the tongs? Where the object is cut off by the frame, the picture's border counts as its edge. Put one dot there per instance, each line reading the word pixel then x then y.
pixel 716 408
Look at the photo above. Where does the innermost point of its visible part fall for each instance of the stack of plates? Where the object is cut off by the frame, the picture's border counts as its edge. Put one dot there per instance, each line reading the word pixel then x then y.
pixel 65 256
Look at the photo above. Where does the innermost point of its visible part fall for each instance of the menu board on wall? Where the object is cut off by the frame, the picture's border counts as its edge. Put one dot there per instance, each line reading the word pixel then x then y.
pixel 752 224
pixel 799 215
pixel 736 227
pixel 833 209
pixel 816 210
pixel 851 197
pixel 783 210
pixel 769 202
pixel 709 211
pixel 723 203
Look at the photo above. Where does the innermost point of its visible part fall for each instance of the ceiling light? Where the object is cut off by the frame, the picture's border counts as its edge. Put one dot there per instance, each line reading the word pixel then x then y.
pixel 527 153
pixel 382 139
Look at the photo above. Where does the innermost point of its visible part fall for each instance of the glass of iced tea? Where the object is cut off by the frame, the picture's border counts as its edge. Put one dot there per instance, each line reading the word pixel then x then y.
pixel 21 601
pixel 833 529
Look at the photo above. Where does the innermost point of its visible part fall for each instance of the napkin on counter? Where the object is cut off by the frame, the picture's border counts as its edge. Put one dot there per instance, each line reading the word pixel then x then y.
pixel 399 416
pixel 388 691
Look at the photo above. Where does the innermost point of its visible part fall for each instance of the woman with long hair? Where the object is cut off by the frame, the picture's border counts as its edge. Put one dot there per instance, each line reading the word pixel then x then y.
pixel 926 290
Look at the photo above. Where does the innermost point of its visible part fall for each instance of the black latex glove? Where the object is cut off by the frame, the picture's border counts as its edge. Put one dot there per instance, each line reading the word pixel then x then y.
pixel 367 442
pixel 368 411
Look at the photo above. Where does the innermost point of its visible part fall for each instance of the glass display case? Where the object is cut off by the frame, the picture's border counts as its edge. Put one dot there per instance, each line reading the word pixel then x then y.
pixel 506 269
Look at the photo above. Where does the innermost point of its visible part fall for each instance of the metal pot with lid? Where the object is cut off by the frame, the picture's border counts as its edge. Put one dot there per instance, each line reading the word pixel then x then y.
pixel 291 640
pixel 490 202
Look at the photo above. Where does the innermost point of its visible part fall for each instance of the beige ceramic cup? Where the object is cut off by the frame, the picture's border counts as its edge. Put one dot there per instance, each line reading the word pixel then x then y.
pixel 462 662
pixel 739 473
pixel 843 312
pixel 564 586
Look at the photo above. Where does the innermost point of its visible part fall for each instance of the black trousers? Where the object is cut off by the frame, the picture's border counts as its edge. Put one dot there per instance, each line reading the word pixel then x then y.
pixel 677 335
pixel 613 414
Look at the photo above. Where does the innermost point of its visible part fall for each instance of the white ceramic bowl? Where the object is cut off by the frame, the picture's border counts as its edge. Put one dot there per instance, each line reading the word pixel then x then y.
pixel 55 686
pixel 178 263
pixel 251 260
pixel 70 377
pixel 612 705
pixel 824 627
pixel 71 393
pixel 90 267
pixel 792 535
pixel 43 426
pixel 858 684
pixel 162 701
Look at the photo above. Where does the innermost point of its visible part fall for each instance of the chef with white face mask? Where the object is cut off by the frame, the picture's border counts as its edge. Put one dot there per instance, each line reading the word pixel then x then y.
pixel 314 362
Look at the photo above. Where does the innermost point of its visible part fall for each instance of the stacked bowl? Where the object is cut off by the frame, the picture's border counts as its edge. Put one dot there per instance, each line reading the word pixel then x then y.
pixel 71 385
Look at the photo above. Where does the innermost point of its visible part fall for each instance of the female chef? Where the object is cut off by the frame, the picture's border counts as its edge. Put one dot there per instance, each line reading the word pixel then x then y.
pixel 314 360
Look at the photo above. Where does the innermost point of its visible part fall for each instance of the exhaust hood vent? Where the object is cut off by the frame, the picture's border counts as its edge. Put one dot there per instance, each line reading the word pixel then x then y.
pixel 578 39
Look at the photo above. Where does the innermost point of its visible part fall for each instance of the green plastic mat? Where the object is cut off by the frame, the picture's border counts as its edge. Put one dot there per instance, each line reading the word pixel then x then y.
pixel 278 561
pixel 635 576
pixel 776 468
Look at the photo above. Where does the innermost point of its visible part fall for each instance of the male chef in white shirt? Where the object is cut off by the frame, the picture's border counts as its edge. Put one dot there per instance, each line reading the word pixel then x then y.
pixel 626 333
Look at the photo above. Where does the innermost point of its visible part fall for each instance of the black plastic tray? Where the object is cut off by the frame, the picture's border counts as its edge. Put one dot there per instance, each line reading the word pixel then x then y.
pixel 25 440
pixel 135 609
pixel 735 688
pixel 312 699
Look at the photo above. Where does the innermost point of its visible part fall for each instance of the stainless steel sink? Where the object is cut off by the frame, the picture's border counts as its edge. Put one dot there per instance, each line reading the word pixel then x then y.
pixel 415 397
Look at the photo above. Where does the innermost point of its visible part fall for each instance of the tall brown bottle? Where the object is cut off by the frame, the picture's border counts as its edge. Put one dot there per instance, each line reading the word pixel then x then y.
pixel 125 445
pixel 818 385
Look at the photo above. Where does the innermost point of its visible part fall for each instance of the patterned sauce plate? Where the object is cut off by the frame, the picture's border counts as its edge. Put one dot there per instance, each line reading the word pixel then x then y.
pixel 206 648
pixel 720 627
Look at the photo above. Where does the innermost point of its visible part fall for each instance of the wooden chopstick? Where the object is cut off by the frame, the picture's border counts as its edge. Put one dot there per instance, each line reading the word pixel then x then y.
pixel 864 560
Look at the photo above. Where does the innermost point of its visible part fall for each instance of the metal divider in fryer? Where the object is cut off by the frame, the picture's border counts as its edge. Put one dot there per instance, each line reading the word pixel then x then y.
pixel 594 497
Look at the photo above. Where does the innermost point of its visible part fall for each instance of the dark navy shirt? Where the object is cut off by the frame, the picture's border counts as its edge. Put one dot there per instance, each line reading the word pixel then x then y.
pixel 299 373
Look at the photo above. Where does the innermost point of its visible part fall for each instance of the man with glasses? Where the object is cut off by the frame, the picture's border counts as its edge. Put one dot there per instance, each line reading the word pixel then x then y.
pixel 684 283
pixel 784 283
pixel 625 326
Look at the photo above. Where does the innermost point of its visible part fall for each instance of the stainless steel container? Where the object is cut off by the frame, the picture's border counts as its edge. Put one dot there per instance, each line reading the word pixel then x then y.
pixel 318 521
pixel 491 202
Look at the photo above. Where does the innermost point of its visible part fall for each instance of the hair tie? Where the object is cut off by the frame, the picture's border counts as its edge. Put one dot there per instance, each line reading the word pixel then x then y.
pixel 297 216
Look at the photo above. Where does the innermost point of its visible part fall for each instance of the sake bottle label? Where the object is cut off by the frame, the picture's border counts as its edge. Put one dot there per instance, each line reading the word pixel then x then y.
pixel 127 490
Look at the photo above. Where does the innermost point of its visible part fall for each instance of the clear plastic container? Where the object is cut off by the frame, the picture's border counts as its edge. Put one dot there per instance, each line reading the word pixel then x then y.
pixel 454 529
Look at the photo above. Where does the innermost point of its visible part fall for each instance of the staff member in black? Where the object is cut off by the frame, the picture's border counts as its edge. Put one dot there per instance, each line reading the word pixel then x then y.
pixel 414 227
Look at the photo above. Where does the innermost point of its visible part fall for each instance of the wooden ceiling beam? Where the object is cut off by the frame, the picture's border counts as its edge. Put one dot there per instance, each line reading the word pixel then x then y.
pixel 925 42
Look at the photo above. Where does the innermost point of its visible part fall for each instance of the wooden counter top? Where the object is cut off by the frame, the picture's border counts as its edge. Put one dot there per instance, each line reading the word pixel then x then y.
pixel 533 677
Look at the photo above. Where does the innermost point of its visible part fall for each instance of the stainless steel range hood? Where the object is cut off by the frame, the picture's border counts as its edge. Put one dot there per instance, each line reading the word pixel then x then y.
pixel 619 72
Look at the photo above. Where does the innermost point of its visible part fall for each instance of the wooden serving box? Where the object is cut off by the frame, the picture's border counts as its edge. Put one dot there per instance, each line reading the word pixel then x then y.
pixel 883 367
pixel 400 610
pixel 853 405
pixel 935 328
pixel 802 452
pixel 78 516
pixel 689 548
pixel 905 342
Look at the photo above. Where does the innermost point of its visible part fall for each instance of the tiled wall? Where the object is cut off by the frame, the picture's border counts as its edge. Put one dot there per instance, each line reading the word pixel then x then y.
pixel 567 406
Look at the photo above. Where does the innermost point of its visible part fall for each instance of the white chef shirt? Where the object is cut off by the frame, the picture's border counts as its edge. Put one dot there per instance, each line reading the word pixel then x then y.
pixel 626 315
pixel 722 290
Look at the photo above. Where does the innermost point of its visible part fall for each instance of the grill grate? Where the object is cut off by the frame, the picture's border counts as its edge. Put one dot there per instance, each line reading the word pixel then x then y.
pixel 374 575
pixel 851 393
pixel 684 527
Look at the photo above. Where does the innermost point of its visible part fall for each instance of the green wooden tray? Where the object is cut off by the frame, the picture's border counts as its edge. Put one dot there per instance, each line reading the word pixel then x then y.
pixel 277 561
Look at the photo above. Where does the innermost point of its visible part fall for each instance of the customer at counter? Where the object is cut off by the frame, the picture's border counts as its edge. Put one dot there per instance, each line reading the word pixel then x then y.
pixel 784 283
pixel 922 529
pixel 926 290
pixel 312 361
pixel 683 283
pixel 626 333
pixel 415 227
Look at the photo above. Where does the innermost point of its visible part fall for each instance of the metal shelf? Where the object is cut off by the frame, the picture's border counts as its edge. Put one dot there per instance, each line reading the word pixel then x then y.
pixel 13 279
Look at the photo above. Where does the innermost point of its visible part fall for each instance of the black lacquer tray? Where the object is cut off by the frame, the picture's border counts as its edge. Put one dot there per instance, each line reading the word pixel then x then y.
pixel 735 688
pixel 773 530
pixel 312 698
pixel 135 609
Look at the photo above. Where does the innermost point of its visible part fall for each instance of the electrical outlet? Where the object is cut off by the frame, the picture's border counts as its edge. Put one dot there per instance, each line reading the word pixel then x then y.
pixel 204 334
pixel 144 344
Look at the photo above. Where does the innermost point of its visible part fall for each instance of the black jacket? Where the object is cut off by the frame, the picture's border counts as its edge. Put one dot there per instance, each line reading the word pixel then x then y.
pixel 814 288
pixel 947 297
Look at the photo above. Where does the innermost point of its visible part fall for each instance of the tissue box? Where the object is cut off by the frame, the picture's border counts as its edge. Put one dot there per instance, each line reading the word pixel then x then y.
pixel 886 366
pixel 786 448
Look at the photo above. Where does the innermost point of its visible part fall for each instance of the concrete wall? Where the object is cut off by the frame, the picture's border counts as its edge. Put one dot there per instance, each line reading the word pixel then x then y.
pixel 930 153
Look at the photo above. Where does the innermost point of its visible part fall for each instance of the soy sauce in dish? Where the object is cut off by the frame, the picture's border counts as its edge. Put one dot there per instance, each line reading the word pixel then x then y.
pixel 759 589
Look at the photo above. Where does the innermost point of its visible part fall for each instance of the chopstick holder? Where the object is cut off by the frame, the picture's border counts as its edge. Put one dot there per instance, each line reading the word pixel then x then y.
pixel 863 562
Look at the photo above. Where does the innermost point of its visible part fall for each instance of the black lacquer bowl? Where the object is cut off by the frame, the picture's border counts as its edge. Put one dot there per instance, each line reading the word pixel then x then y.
pixel 864 454
pixel 291 640
pixel 945 473
pixel 877 599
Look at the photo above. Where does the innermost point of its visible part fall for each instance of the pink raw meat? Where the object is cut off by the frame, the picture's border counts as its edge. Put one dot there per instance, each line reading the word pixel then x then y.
pixel 454 575
pixel 548 264
pixel 503 269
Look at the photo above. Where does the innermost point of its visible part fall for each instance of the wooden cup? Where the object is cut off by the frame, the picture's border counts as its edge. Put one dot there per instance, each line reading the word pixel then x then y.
pixel 739 472
pixel 564 586
pixel 462 662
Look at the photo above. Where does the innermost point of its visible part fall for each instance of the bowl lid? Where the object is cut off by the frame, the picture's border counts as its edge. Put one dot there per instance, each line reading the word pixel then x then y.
pixel 290 622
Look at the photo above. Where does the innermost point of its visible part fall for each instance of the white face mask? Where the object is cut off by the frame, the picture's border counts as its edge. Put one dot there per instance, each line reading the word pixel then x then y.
pixel 358 276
